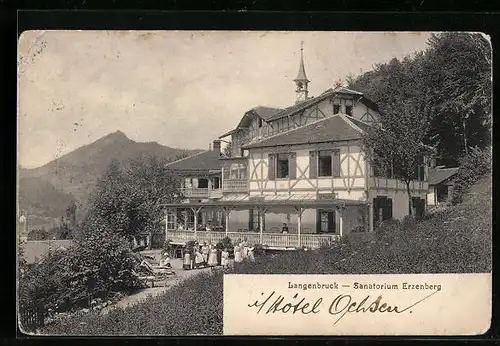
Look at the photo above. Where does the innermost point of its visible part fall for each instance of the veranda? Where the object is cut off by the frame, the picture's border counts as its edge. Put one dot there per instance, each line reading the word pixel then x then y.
pixel 180 230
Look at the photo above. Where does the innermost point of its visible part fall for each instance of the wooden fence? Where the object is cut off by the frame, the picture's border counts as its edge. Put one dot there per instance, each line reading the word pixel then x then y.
pixel 30 318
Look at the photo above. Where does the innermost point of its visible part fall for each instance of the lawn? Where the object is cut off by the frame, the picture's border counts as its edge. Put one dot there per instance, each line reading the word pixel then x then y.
pixel 456 240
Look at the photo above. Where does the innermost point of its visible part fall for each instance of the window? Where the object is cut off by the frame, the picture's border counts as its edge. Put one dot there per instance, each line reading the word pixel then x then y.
pixel 260 122
pixel 216 182
pixel 442 192
pixel 254 220
pixel 325 164
pixel 382 209
pixel 336 109
pixel 348 110
pixel 282 166
pixel 325 221
pixel 203 183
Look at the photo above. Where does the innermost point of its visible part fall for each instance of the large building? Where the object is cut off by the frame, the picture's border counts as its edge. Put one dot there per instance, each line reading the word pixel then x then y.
pixel 302 166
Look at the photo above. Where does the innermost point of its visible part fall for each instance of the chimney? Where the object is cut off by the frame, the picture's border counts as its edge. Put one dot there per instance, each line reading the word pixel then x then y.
pixel 217 146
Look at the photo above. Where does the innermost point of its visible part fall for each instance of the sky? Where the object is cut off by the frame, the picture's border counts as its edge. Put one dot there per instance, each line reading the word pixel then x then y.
pixel 181 89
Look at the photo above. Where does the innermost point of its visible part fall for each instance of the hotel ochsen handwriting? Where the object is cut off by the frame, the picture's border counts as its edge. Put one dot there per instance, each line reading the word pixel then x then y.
pixel 341 305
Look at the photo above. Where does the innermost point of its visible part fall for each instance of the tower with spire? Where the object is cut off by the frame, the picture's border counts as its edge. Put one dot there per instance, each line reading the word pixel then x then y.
pixel 301 81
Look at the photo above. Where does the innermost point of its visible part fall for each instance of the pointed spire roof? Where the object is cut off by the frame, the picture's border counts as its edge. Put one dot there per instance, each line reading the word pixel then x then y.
pixel 301 76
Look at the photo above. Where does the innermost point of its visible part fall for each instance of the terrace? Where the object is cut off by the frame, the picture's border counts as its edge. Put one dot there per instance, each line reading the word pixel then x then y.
pixel 272 238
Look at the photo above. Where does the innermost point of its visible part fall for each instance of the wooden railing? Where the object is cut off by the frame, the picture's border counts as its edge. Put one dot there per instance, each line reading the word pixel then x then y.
pixel 235 185
pixel 272 240
pixel 215 193
pixel 194 192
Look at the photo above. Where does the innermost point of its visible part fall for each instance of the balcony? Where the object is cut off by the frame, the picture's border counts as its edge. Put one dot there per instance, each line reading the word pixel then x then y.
pixel 195 192
pixel 235 185
pixel 199 192
pixel 271 240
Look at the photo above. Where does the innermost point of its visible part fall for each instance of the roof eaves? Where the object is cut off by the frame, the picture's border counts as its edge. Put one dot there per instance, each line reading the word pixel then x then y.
pixel 187 157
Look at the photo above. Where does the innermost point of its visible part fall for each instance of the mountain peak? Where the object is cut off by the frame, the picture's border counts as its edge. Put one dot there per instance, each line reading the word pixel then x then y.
pixel 118 134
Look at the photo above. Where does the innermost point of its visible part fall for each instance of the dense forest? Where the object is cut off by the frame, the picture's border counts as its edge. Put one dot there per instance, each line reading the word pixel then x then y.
pixel 450 84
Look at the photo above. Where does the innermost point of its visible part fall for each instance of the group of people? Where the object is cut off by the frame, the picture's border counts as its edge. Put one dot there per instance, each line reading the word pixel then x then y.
pixel 207 255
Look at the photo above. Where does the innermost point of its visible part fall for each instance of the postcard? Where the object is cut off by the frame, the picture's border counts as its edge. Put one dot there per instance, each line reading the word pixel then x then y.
pixel 254 183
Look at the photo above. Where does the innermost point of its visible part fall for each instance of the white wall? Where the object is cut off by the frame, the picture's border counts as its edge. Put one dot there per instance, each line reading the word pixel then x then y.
pixel 350 185
pixel 431 196
pixel 399 200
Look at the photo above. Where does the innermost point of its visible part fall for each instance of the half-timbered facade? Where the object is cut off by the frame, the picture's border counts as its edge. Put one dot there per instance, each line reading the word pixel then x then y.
pixel 302 170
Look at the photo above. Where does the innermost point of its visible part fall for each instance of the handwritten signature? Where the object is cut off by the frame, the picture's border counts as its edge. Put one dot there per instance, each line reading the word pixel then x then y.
pixel 340 306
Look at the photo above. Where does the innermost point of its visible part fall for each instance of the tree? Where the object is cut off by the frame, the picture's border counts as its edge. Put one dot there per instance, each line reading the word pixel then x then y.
pixel 71 213
pixel 396 145
pixel 128 197
pixel 450 84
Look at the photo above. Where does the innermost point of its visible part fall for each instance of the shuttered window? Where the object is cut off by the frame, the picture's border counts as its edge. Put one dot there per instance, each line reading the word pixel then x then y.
pixel 313 165
pixel 336 163
pixel 325 163
pixel 271 175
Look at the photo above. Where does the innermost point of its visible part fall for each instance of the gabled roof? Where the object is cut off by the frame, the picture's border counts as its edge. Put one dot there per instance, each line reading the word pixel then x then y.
pixel 438 175
pixel 204 161
pixel 327 93
pixel 300 106
pixel 262 111
pixel 266 112
pixel 339 127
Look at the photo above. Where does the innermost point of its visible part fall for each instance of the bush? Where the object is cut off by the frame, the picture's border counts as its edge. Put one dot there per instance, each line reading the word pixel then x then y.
pixel 472 167
pixel 95 266
pixel 193 307
pixel 226 242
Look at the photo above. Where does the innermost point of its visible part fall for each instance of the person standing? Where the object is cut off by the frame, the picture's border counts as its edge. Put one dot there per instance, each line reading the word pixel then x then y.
pixel 250 255
pixel 225 258
pixel 186 265
pixel 205 252
pixel 212 258
pixel 237 254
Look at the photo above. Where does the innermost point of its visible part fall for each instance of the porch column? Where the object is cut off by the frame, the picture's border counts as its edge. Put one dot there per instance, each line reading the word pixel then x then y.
pixel 261 224
pixel 341 222
pixel 195 223
pixel 299 225
pixel 166 224
pixel 226 214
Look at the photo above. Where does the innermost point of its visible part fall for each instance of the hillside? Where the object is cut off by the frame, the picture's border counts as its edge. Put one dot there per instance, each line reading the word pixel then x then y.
pixel 47 190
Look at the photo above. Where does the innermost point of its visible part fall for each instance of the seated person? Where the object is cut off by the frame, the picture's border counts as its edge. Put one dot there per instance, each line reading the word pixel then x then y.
pixel 165 261
pixel 284 229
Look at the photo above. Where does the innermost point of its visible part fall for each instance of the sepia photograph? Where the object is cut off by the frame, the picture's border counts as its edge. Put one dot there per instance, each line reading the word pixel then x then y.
pixel 178 183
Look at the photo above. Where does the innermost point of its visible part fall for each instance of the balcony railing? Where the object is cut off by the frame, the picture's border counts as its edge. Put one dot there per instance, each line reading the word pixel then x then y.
pixel 195 192
pixel 272 240
pixel 235 185
pixel 199 192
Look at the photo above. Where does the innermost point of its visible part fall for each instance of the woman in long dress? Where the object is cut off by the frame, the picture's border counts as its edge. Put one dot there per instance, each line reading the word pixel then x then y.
pixel 186 265
pixel 205 252
pixel 212 258
pixel 198 259
pixel 250 255
pixel 224 258
pixel 237 254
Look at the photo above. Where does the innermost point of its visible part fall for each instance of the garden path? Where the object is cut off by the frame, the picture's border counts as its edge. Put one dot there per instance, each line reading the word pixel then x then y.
pixel 135 298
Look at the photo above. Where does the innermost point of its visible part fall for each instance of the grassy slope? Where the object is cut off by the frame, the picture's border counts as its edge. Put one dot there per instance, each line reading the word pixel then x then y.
pixel 455 240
